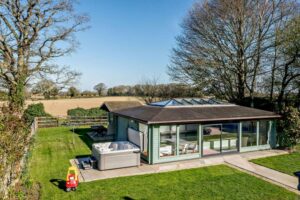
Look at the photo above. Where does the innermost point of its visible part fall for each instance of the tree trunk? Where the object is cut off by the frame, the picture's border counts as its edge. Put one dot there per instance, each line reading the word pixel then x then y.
pixel 16 95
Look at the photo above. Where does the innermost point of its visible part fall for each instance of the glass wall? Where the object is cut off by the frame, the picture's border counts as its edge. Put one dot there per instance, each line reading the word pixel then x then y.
pixel 211 140
pixel 249 136
pixel 230 132
pixel 168 140
pixel 263 132
pixel 188 139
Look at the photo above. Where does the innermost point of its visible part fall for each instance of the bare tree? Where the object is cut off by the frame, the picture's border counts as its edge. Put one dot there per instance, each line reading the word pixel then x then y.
pixel 32 34
pixel 287 72
pixel 224 45
pixel 100 88
pixel 149 89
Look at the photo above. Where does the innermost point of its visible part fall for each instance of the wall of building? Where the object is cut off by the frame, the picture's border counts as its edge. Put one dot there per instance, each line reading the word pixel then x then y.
pixel 153 140
pixel 154 135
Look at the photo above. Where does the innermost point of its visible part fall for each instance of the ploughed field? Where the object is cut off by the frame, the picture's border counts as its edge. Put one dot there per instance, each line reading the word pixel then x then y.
pixel 54 147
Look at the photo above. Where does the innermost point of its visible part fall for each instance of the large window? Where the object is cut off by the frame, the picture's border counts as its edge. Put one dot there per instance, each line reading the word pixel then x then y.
pixel 211 140
pixel 249 134
pixel 263 132
pixel 229 137
pixel 167 141
pixel 188 139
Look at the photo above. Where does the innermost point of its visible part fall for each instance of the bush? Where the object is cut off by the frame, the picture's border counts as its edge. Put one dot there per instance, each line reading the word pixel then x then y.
pixel 34 110
pixel 289 128
pixel 92 112
pixel 14 138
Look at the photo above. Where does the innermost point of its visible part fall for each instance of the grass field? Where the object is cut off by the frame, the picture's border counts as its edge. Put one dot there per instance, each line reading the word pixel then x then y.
pixel 288 163
pixel 54 147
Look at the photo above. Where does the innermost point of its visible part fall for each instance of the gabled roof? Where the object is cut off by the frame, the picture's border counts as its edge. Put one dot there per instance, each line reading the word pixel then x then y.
pixel 111 106
pixel 193 114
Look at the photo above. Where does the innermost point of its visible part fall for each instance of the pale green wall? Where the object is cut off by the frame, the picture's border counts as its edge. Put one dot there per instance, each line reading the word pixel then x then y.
pixel 154 140
pixel 154 156
pixel 122 125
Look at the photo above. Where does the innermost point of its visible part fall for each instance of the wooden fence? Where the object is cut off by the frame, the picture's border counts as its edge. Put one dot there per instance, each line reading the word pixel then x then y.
pixel 44 122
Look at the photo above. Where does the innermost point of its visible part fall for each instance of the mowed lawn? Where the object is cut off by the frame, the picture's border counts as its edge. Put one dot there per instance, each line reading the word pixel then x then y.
pixel 56 146
pixel 288 163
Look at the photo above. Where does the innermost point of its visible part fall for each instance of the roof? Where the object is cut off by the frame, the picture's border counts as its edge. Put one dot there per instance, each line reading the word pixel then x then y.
pixel 189 102
pixel 192 114
pixel 117 105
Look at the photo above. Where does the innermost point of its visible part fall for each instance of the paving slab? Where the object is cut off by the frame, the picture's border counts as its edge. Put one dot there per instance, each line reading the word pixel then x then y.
pixel 237 159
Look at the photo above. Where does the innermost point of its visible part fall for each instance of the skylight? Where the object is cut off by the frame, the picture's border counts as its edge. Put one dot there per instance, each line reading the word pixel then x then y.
pixel 189 102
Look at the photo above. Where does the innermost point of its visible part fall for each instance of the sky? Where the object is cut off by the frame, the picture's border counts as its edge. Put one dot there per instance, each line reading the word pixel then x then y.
pixel 128 41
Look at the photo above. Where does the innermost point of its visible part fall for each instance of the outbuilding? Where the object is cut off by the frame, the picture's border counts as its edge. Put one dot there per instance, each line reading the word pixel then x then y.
pixel 188 128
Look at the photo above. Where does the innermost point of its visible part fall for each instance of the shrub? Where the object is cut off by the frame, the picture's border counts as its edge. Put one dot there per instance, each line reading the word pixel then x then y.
pixel 289 128
pixel 92 112
pixel 13 141
pixel 34 110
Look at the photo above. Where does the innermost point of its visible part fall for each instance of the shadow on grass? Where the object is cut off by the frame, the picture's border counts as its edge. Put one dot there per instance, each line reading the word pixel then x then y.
pixel 61 184
pixel 127 198
pixel 81 132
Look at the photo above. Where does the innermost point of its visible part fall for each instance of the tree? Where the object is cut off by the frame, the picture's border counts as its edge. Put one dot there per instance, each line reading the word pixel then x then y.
pixel 287 71
pixel 100 88
pixel 289 127
pixel 226 45
pixel 32 34
pixel 73 91
pixel 149 89
pixel 47 88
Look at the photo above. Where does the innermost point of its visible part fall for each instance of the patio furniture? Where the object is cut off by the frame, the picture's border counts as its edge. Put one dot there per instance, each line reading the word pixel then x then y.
pixel 166 150
pixel 86 164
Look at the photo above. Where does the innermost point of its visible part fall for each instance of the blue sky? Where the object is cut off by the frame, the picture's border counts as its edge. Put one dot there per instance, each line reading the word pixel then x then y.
pixel 128 40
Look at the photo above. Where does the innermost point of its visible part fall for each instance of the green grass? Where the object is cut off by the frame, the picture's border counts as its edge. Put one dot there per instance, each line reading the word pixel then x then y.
pixel 288 163
pixel 54 147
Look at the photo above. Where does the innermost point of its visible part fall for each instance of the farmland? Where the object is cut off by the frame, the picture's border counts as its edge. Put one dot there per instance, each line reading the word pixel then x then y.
pixel 59 107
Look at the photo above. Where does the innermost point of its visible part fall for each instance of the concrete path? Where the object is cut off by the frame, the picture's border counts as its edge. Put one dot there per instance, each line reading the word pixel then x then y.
pixel 93 174
pixel 267 173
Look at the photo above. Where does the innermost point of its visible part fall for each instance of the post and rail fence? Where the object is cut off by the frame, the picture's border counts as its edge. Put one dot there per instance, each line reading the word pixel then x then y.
pixel 47 122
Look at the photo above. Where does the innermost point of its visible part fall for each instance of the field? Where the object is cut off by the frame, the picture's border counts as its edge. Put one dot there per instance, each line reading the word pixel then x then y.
pixel 54 147
pixel 60 107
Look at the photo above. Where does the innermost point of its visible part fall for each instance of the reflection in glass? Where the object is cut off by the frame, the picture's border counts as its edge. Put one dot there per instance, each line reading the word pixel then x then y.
pixel 229 137
pixel 188 139
pixel 211 139
pixel 249 136
pixel 263 132
pixel 167 140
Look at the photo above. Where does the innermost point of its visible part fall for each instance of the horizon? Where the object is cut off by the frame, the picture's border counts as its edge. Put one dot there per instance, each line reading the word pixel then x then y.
pixel 126 39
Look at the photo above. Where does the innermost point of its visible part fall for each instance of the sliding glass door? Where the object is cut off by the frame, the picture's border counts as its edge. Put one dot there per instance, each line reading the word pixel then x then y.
pixel 211 139
pixel 219 138
pixel 230 132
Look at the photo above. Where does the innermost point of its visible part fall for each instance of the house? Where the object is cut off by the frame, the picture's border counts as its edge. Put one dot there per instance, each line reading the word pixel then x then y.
pixel 110 106
pixel 189 128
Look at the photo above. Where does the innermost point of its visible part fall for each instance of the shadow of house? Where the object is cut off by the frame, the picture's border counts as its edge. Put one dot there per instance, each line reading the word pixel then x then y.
pixel 82 133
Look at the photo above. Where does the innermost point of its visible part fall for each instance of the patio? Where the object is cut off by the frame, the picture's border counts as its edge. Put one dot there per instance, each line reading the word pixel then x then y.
pixel 93 174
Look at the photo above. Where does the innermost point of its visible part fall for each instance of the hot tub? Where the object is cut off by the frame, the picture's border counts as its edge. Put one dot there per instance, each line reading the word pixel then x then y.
pixel 112 155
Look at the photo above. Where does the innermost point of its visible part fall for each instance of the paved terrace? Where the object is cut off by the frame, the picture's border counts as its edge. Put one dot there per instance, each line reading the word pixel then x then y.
pixel 239 161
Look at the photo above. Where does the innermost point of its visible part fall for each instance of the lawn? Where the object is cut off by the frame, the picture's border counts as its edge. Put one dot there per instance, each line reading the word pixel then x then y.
pixel 288 163
pixel 54 147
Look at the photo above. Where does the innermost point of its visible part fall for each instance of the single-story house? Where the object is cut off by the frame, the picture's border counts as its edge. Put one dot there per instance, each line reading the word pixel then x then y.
pixel 188 128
